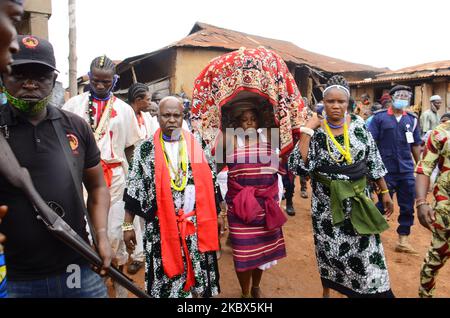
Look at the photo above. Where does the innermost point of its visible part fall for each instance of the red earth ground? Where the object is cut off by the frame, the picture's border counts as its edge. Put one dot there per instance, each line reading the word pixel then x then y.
pixel 296 276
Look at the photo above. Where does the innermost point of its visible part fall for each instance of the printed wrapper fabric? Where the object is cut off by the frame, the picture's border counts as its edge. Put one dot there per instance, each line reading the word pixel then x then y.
pixel 3 293
pixel 259 71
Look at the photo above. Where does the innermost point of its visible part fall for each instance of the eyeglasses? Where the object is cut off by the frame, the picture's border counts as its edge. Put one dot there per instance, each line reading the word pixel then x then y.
pixel 402 95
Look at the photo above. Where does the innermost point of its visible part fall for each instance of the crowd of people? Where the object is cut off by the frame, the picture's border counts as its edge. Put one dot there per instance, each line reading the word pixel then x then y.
pixel 158 176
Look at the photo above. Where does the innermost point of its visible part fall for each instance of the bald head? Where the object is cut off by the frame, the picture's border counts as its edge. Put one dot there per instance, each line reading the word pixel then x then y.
pixel 171 101
pixel 170 115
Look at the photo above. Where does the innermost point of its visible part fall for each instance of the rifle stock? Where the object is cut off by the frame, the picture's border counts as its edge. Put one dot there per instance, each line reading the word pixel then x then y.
pixel 20 178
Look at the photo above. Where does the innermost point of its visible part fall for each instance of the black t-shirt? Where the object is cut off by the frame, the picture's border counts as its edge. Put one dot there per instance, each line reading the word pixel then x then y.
pixel 31 251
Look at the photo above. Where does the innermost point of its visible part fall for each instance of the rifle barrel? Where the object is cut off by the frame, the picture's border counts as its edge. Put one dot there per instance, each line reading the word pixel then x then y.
pixel 64 232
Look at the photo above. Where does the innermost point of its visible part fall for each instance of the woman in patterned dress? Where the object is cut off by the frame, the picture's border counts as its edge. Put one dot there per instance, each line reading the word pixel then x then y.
pixel 253 187
pixel 349 252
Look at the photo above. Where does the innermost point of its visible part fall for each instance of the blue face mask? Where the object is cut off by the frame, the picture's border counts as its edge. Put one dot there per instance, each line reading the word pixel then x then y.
pixel 108 94
pixel 401 103
pixel 3 99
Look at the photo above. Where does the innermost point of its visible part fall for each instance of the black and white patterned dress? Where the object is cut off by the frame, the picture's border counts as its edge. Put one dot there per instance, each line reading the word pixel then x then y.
pixel 140 198
pixel 350 263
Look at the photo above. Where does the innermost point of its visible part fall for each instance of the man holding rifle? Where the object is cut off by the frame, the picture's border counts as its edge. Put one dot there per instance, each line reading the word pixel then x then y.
pixel 40 265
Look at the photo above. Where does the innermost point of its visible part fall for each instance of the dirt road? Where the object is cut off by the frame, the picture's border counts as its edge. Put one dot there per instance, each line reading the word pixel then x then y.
pixel 296 276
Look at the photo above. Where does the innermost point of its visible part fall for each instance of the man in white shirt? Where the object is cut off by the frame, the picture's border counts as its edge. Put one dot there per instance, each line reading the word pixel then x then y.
pixel 430 118
pixel 116 132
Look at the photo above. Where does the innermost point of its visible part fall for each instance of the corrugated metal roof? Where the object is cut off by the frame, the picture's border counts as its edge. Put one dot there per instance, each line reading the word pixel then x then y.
pixel 431 67
pixel 400 78
pixel 417 72
pixel 208 36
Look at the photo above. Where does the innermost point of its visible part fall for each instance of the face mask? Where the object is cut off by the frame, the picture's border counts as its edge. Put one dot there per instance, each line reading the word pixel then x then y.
pixel 26 107
pixel 3 99
pixel 401 103
pixel 108 93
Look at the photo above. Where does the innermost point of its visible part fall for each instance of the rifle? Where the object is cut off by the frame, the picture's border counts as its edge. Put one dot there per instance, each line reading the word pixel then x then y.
pixel 20 178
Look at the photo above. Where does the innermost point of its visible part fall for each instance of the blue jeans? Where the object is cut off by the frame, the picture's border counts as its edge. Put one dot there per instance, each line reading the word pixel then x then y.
pixel 404 185
pixel 87 285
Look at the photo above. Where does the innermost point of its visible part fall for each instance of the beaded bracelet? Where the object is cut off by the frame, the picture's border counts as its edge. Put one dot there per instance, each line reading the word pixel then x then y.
pixel 126 226
pixel 308 131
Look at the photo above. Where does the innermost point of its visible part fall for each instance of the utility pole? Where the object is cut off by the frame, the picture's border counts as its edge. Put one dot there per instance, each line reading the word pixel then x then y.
pixel 73 86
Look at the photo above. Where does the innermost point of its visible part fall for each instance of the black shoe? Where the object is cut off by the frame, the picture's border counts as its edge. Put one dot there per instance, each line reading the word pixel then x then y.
pixel 134 267
pixel 290 210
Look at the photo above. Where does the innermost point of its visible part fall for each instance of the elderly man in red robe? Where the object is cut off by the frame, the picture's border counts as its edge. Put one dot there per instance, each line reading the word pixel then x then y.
pixel 170 185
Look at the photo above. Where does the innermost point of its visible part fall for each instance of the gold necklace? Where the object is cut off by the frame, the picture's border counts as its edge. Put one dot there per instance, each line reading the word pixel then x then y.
pixel 177 184
pixel 346 154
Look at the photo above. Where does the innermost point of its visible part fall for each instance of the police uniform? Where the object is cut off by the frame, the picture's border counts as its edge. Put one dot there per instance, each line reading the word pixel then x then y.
pixel 395 140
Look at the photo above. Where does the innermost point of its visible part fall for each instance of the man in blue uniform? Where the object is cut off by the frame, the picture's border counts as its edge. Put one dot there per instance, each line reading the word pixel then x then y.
pixel 397 134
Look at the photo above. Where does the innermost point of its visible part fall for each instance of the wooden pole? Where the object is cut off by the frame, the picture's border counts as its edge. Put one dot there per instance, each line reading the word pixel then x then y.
pixel 133 71
pixel 73 86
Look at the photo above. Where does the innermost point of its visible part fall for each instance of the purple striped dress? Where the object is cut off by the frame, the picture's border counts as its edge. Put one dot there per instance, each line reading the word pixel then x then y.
pixel 253 245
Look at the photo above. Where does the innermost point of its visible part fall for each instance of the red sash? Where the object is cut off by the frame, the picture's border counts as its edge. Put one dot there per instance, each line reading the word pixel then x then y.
pixel 107 171
pixel 174 228
pixel 247 208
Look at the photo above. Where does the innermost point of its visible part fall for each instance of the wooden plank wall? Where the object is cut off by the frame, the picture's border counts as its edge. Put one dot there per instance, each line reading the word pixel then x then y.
pixel 427 92
pixel 448 98
pixel 441 89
